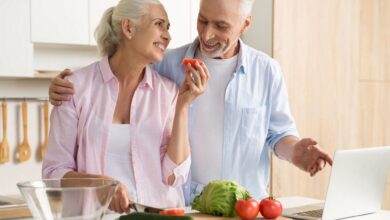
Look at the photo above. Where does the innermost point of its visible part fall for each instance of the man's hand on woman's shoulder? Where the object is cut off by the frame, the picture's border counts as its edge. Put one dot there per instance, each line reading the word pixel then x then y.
pixel 61 89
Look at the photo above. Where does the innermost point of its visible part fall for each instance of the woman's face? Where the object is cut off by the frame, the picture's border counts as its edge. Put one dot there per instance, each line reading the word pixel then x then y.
pixel 151 37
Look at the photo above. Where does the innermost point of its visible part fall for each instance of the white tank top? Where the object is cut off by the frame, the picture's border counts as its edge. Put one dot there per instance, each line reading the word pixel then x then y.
pixel 118 159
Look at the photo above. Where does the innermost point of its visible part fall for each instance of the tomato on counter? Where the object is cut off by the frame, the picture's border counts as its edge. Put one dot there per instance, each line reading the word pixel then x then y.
pixel 247 209
pixel 270 208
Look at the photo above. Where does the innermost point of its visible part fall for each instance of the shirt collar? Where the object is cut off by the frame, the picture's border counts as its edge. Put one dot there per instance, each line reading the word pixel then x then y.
pixel 105 69
pixel 108 75
pixel 242 54
pixel 147 81
pixel 242 58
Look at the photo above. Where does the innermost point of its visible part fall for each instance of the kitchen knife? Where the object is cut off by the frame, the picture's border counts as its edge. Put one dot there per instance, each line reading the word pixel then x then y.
pixel 144 208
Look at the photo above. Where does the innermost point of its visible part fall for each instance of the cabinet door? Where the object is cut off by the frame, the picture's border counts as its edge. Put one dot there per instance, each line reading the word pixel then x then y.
pixel 60 21
pixel 16 50
pixel 180 18
pixel 96 10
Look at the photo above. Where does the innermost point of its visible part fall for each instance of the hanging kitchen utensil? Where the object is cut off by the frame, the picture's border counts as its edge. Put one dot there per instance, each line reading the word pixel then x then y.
pixel 4 146
pixel 46 127
pixel 24 149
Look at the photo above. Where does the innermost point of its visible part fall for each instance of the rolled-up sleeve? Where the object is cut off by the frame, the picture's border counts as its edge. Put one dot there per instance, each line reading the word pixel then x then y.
pixel 179 171
pixel 60 156
pixel 282 123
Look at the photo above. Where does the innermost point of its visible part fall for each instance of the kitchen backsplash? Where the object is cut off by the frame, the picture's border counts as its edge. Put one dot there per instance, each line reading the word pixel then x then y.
pixel 14 171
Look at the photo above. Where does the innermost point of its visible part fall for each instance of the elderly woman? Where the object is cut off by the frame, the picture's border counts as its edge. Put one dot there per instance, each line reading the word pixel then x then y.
pixel 125 121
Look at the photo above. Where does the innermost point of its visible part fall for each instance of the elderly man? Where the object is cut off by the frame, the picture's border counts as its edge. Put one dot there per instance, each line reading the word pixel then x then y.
pixel 244 111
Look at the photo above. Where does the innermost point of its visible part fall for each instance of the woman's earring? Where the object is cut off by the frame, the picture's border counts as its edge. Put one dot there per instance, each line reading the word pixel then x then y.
pixel 131 31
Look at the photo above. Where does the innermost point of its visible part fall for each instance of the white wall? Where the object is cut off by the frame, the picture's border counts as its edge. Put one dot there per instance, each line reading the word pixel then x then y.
pixel 259 35
pixel 13 171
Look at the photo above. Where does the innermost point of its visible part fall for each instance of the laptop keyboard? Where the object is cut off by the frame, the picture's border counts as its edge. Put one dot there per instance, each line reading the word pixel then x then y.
pixel 312 213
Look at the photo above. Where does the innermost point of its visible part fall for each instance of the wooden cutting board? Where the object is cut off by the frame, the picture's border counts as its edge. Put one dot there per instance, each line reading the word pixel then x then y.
pixel 198 216
pixel 15 212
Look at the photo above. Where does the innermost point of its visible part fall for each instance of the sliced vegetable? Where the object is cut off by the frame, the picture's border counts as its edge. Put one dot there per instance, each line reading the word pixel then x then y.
pixel 152 216
pixel 173 212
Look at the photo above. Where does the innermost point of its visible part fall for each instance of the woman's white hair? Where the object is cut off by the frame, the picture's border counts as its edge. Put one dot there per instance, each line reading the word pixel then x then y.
pixel 108 34
pixel 246 8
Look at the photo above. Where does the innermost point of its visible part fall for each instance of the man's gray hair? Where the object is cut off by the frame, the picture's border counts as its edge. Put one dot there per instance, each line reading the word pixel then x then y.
pixel 246 8
pixel 108 34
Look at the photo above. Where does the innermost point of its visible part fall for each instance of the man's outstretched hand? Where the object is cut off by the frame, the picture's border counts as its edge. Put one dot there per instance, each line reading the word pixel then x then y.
pixel 309 157
pixel 61 89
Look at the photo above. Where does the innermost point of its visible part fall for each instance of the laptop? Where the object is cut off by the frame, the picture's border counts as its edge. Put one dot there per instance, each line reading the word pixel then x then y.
pixel 356 187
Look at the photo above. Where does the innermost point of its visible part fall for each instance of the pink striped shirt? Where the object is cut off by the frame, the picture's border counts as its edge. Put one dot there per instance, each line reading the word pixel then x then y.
pixel 79 133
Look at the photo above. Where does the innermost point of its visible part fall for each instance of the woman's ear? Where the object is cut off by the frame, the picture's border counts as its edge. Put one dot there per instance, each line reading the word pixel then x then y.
pixel 128 28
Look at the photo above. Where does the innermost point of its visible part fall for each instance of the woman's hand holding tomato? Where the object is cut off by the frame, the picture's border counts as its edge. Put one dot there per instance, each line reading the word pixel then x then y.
pixel 195 81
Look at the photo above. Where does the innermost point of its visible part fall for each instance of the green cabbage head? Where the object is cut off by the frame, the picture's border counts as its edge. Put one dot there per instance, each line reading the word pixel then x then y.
pixel 219 197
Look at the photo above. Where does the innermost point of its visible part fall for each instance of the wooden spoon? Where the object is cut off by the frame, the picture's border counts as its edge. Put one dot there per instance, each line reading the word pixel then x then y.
pixel 24 148
pixel 46 125
pixel 4 147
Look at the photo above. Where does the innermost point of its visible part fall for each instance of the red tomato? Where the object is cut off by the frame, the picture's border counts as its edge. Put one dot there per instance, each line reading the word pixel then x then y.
pixel 173 212
pixel 270 208
pixel 247 209
pixel 186 61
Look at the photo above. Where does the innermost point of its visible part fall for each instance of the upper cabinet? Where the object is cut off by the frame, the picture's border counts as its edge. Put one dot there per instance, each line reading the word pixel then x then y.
pixel 15 46
pixel 60 21
pixel 50 35
pixel 96 11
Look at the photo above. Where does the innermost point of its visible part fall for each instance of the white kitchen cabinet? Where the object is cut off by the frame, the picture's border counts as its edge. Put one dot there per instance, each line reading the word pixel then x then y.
pixel 15 46
pixel 49 35
pixel 96 10
pixel 180 18
pixel 60 21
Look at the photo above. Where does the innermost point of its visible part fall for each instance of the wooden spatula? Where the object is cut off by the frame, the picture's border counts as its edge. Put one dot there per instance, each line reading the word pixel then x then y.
pixel 46 127
pixel 24 148
pixel 4 147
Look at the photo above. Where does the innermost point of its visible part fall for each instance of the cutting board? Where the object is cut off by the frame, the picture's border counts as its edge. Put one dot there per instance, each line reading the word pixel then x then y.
pixel 198 216
pixel 15 212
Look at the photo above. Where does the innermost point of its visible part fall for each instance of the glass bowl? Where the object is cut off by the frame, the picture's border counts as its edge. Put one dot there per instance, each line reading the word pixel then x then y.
pixel 75 198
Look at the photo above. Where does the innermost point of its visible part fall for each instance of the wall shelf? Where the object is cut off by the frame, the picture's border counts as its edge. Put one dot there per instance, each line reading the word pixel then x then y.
pixel 45 75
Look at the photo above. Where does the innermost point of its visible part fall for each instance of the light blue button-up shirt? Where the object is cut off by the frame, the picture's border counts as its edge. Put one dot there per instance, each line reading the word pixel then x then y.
pixel 256 117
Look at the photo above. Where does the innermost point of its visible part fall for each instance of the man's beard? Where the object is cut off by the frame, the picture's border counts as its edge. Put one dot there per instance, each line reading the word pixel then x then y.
pixel 216 54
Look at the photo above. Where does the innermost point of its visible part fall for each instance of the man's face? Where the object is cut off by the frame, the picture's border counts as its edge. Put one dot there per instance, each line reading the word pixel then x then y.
pixel 220 25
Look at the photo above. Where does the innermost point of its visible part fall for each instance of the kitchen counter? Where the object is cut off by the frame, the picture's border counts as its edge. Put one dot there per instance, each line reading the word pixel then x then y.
pixel 287 202
pixel 197 216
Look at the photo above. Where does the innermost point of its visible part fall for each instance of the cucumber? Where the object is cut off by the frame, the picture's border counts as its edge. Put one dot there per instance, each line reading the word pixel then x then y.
pixel 152 216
